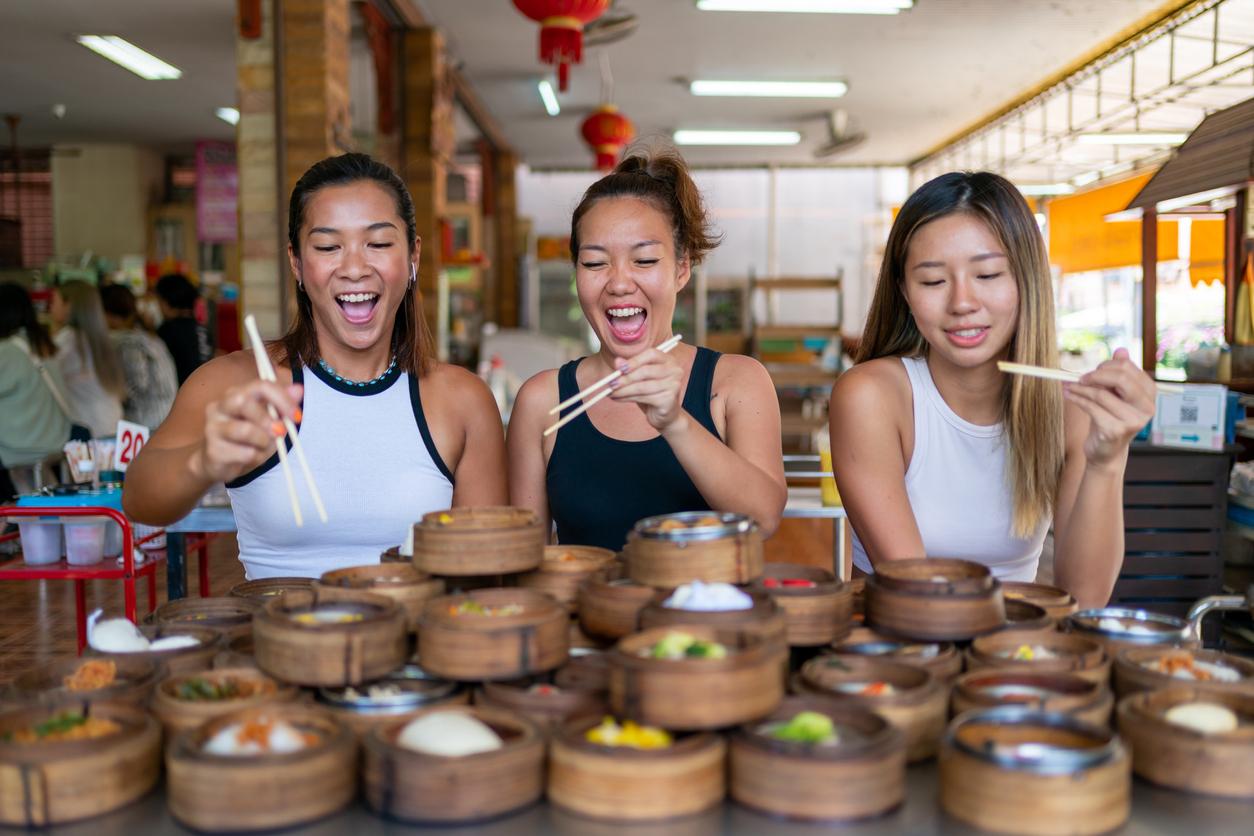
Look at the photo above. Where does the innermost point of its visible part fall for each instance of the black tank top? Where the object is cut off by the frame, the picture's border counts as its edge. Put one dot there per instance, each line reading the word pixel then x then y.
pixel 599 487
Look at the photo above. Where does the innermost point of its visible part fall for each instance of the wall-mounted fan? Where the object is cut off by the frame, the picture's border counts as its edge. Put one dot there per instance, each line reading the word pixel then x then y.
pixel 841 134
pixel 610 27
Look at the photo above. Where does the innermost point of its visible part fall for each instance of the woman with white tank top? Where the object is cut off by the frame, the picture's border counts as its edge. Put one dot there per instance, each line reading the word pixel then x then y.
pixel 935 451
pixel 390 433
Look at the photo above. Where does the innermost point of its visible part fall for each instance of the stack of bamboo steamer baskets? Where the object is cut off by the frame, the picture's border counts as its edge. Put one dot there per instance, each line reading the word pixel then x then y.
pixel 401 695
pixel 862 774
pixel 50 783
pixel 432 789
pixel 479 541
pixel 409 587
pixel 178 714
pixel 609 602
pixel 1028 773
pixel 1026 617
pixel 263 589
pixel 1085 699
pixel 544 703
pixel 934 599
pixel 672 549
pixel 765 618
pixel 179 660
pixel 1131 674
pixel 1135 628
pixel 133 682
pixel 941 659
pixel 815 615
pixel 233 617
pixel 1063 653
pixel 469 647
pixel 564 569
pixel 1056 601
pixel 238 653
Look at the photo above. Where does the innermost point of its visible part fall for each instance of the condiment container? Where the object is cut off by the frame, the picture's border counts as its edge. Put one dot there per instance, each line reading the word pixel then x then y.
pixel 1056 601
pixel 1064 653
pixel 1131 675
pixel 934 599
pixel 765 618
pixel 330 653
pixel 861 774
pixel 435 789
pixel 49 783
pixel 609 602
pixel 134 680
pixel 1174 756
pixel 466 646
pixel 402 582
pixel 41 541
pixel 373 704
pixel 1084 699
pixel 941 659
pixel 232 617
pixel 263 589
pixel 178 660
pixel 1029 773
pixel 227 793
pixel 564 569
pixel 489 540
pixel 694 694
pixel 543 703
pixel 1138 628
pixel 84 542
pixel 624 784
pixel 729 550
pixel 177 714
pixel 816 614
pixel 918 704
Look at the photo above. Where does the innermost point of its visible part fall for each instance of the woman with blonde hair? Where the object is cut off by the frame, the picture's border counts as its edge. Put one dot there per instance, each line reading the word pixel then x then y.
pixel 939 454
pixel 93 370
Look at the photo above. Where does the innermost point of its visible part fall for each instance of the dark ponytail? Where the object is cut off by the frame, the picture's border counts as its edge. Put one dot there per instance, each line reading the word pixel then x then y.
pixel 412 342
pixel 659 176
pixel 17 312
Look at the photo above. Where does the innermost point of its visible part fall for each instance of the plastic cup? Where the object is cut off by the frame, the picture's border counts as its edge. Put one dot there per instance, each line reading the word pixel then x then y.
pixel 84 542
pixel 41 542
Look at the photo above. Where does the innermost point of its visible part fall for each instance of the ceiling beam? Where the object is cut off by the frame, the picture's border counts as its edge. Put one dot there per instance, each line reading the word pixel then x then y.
pixel 404 11
pixel 479 113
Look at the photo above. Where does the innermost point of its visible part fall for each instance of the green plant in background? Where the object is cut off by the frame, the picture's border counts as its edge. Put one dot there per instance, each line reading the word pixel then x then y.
pixel 1080 341
pixel 1176 342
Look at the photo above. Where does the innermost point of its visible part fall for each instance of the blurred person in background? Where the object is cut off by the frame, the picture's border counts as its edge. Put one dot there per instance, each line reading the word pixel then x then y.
pixel 34 403
pixel 151 381
pixel 93 371
pixel 186 338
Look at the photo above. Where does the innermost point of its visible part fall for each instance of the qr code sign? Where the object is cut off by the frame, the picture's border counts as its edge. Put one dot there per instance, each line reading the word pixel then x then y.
pixel 1188 413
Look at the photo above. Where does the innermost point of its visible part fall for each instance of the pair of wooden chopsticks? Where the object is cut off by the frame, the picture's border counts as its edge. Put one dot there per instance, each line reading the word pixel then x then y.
pixel 265 370
pixel 1068 377
pixel 605 381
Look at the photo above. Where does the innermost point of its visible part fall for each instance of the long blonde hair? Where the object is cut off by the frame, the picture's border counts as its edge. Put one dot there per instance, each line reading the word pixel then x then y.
pixel 1031 409
pixel 92 334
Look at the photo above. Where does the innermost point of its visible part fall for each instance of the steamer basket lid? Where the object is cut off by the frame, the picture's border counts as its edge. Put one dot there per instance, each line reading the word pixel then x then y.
pixel 1139 626
pixel 729 525
pixel 1096 744
pixel 418 688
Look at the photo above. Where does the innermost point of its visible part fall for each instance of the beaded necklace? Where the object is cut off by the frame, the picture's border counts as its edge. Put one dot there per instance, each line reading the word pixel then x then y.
pixel 371 382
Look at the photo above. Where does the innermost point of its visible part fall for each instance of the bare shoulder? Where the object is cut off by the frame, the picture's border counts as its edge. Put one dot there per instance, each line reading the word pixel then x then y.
pixel 458 387
pixel 538 393
pixel 741 376
pixel 876 387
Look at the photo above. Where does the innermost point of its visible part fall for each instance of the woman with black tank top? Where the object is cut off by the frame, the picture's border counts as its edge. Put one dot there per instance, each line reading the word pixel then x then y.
pixel 688 430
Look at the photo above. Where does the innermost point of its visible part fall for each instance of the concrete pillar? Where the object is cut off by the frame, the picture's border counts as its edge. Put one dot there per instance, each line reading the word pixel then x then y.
pixel 316 118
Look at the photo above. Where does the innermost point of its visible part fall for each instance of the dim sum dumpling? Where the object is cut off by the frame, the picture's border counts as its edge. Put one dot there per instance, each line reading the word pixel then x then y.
pixel 1204 717
pixel 450 734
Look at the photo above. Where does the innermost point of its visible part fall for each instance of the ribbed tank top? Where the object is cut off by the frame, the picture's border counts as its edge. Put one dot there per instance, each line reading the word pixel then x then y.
pixel 599 487
pixel 957 487
pixel 375 465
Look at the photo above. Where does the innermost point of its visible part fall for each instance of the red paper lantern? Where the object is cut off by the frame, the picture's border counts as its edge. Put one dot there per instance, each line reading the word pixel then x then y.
pixel 607 131
pixel 561 29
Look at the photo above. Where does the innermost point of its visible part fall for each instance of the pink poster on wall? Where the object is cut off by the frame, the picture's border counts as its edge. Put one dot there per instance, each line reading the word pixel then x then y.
pixel 217 192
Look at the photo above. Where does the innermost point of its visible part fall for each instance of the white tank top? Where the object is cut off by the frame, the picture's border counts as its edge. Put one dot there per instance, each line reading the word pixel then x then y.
pixel 375 465
pixel 957 487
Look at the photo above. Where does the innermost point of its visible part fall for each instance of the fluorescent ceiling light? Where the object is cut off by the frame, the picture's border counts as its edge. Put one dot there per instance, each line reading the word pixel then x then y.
pixel 550 99
pixel 1046 189
pixel 1086 178
pixel 130 56
pixel 849 7
pixel 1132 138
pixel 229 114
pixel 1196 199
pixel 737 137
pixel 775 89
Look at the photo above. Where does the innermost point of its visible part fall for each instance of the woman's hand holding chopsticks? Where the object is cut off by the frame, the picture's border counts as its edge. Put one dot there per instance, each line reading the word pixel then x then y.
pixel 239 432
pixel 1119 399
pixel 655 381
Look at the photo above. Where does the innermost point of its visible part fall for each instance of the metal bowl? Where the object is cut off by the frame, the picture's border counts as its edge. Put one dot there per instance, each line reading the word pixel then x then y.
pixel 1094 745
pixel 1167 629
pixel 730 524
pixel 419 689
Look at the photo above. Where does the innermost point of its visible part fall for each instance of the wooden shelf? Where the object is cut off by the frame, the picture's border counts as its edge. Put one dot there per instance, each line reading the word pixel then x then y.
pixel 799 374
pixel 796 284
pixel 785 332
pixel 792 424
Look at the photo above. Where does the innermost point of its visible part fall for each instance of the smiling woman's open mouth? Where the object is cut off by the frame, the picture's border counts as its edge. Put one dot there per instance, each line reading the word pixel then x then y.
pixel 627 322
pixel 358 308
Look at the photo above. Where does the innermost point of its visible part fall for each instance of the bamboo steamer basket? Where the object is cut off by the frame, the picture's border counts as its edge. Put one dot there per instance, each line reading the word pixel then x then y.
pixel 579 640
pixel 919 707
pixel 177 714
pixel 1162 631
pixel 393 555
pixel 766 618
pixel 1080 784
pixel 941 659
pixel 417 787
pixel 1076 655
pixel 730 552
pixel 696 694
pixel 1082 698
pixel 222 793
pixel 903 599
pixel 816 615
pixel 858 586
pixel 1131 675
pixel 546 710
pixel 862 775
pixel 404 584
pixel 134 681
pixel 1182 759
pixel 238 654
pixel 561 578
pixel 471 648
pixel 1024 617
pixel 264 589
pixel 1056 601
pixel 586 671
pixel 233 617
pixel 488 540
pixel 50 783
pixel 180 660
pixel 420 692
pixel 330 654
pixel 622 784
pixel 609 602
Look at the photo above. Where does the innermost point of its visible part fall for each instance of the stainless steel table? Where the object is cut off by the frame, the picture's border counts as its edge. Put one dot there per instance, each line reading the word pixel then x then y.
pixel 1155 812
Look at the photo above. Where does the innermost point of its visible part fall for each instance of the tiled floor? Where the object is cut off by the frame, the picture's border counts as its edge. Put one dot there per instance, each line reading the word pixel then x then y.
pixel 37 617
